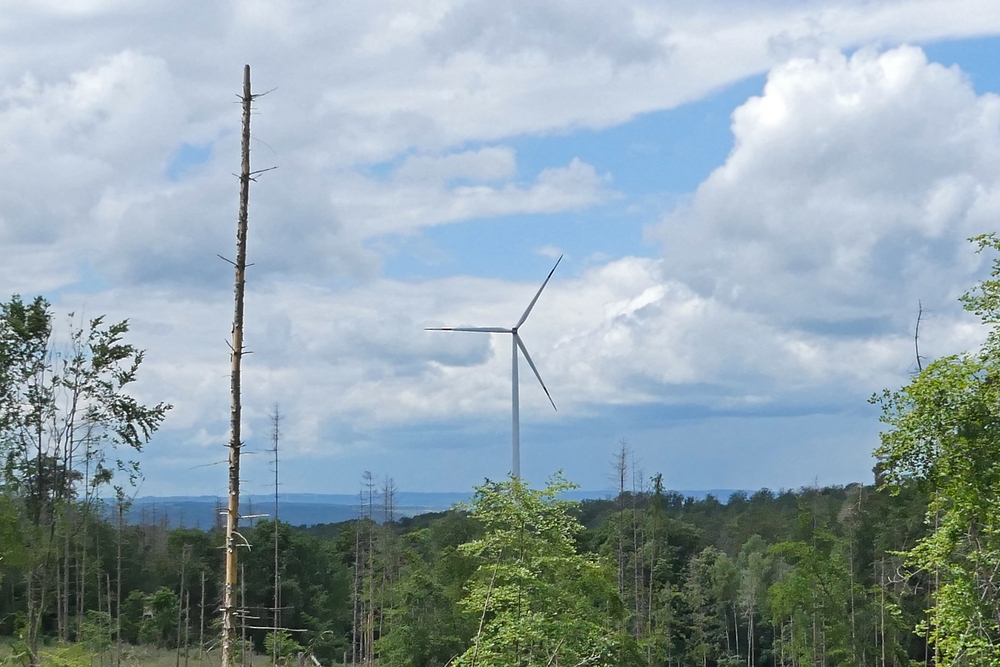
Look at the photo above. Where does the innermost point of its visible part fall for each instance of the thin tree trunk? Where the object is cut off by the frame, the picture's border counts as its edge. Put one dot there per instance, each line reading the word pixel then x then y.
pixel 621 466
pixel 276 420
pixel 235 443
pixel 81 578
pixel 201 623
pixel 187 625
pixel 118 595
pixel 370 615
pixel 246 659
pixel 358 565
pixel 881 582
pixel 636 561
pixel 185 550
pixel 736 630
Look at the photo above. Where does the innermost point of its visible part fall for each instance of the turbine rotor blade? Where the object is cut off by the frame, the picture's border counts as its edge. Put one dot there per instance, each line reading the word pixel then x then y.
pixel 531 305
pixel 531 363
pixel 473 329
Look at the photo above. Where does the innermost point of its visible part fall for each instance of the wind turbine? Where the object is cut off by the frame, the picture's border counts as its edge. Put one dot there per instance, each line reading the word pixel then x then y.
pixel 516 344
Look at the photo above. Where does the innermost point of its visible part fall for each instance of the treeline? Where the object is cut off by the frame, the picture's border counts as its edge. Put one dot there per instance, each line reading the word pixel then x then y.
pixel 811 577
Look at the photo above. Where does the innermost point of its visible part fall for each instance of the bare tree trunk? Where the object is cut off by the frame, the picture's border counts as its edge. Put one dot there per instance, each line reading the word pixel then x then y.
pixel 636 556
pixel 881 582
pixel 246 656
pixel 276 421
pixel 201 624
pixel 81 577
pixel 235 444
pixel 388 553
pixel 185 552
pixel 118 596
pixel 621 467
pixel 358 565
pixel 62 575
pixel 187 625
pixel 370 614
pixel 736 629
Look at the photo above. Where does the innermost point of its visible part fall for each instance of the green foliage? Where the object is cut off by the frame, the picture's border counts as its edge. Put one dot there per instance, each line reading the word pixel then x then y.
pixel 71 655
pixel 132 615
pixel 160 625
pixel 287 647
pixel 425 626
pixel 67 425
pixel 314 586
pixel 97 631
pixel 75 400
pixel 539 602
pixel 944 432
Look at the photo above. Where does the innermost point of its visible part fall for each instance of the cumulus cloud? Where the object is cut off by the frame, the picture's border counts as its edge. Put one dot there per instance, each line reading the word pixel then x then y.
pixel 849 194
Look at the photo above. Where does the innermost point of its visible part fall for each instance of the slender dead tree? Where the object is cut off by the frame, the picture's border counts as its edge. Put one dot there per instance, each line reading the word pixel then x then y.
pixel 187 625
pixel 185 554
pixel 621 467
pixel 356 592
pixel 236 350
pixel 118 593
pixel 201 622
pixel 276 434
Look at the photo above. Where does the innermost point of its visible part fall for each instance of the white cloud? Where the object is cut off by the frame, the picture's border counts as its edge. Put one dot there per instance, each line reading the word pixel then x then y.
pixel 550 251
pixel 61 143
pixel 619 334
pixel 96 99
pixel 486 164
pixel 850 192
pixel 421 192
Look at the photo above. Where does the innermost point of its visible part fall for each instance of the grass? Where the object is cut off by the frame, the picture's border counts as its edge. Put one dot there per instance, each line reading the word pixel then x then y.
pixel 75 655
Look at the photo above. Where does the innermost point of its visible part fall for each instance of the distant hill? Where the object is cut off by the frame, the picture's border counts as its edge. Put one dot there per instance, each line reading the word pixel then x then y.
pixel 309 509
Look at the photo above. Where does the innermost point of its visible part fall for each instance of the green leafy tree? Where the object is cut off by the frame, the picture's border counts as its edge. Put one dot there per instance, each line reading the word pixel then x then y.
pixel 67 420
pixel 755 567
pixel 132 614
pixel 944 432
pixel 287 647
pixel 710 593
pixel 537 601
pixel 160 627
pixel 97 631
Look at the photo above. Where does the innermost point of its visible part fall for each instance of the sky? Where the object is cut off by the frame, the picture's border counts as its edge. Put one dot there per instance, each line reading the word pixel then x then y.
pixel 750 198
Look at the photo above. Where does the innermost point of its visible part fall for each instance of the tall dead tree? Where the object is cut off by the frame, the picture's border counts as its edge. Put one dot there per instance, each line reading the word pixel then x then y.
pixel 229 659
pixel 275 644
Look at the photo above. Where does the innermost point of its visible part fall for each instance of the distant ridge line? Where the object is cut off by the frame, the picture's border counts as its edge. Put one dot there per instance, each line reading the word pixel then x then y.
pixel 309 509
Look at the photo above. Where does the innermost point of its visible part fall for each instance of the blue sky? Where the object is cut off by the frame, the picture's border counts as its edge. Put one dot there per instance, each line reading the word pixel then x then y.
pixel 750 199
pixel 652 160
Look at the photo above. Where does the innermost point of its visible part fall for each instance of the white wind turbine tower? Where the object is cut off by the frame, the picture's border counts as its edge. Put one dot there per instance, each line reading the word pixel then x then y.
pixel 516 344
